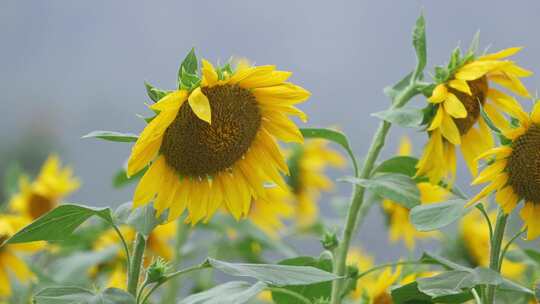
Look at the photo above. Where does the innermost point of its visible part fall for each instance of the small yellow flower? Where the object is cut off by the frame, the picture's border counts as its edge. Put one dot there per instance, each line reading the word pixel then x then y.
pixel 43 194
pixel 457 104
pixel 215 146
pixel 10 261
pixel 475 234
pixel 514 171
pixel 400 226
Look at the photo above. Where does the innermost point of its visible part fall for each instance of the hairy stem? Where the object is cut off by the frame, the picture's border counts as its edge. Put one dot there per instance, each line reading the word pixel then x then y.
pixel 136 264
pixel 495 255
pixel 358 208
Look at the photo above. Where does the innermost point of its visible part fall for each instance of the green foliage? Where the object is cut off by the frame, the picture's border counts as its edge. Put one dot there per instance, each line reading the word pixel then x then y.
pixel 405 117
pixel 238 292
pixel 431 217
pixel 121 179
pixel 394 91
pixel 71 295
pixel 154 93
pixel 11 179
pixel 59 223
pixel 405 165
pixel 419 43
pixel 396 187
pixel 143 219
pixel 188 78
pixel 112 136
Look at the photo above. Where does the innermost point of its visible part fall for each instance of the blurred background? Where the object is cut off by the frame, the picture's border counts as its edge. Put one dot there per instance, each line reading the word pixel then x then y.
pixel 70 67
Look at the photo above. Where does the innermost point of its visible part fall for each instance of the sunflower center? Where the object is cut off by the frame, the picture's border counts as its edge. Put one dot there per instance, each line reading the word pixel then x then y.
pixel 195 148
pixel 524 165
pixel 39 205
pixel 479 89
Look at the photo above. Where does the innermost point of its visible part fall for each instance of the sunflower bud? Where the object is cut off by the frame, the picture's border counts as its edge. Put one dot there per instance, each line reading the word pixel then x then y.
pixel 157 270
pixel 329 240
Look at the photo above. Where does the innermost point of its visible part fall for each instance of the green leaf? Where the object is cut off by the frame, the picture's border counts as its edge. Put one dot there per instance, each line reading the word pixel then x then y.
pixel 112 136
pixel 409 294
pixel 435 216
pixel 190 66
pixel 144 219
pixel 396 187
pixel 68 269
pixel 121 179
pixel 488 121
pixel 537 291
pixel 277 275
pixel 312 291
pixel 59 223
pixel 78 295
pixel 419 43
pixel 405 165
pixel 533 255
pixel 396 89
pixel 332 135
pixel 235 292
pixel 406 117
pixel 475 42
pixel 154 93
pixel 430 258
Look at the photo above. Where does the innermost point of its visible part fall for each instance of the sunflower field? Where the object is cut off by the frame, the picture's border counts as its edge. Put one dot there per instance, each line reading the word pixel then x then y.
pixel 234 197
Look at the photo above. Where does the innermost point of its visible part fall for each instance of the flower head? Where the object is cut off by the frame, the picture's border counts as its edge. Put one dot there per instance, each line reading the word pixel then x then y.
pixel 213 144
pixel 514 169
pixel 44 193
pixel 462 92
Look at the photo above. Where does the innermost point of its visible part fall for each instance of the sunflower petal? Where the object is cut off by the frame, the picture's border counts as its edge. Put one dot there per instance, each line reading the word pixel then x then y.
pixel 150 183
pixel 490 172
pixel 507 199
pixel 210 76
pixel 455 107
pixel 200 105
pixel 530 213
pixel 450 130
pixel 460 85
pixel 439 94
pixel 501 54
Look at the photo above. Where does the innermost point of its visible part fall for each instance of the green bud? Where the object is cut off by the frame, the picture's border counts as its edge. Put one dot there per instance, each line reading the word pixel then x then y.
pixel 329 240
pixel 157 270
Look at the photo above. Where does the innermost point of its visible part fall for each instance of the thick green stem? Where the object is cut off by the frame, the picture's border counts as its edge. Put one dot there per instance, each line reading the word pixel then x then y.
pixel 173 287
pixel 136 264
pixel 357 208
pixel 496 244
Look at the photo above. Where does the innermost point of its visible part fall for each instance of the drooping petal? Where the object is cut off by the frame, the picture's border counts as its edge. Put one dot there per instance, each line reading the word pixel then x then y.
pixel 530 213
pixel 171 102
pixel 455 107
pixel 460 85
pixel 439 94
pixel 150 183
pixel 501 54
pixel 450 130
pixel 490 172
pixel 286 94
pixel 507 199
pixel 200 105
pixel 210 76
pixel 512 83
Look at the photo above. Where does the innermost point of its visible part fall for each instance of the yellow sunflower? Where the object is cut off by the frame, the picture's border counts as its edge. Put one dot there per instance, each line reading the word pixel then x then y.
pixel 475 234
pixel 158 244
pixel 269 212
pixel 457 102
pixel 44 193
pixel 514 169
pixel 307 180
pixel 10 260
pixel 215 145
pixel 400 226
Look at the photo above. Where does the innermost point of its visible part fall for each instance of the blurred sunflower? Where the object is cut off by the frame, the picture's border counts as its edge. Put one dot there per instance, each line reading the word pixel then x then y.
pixel 45 192
pixel 462 91
pixel 215 145
pixel 10 260
pixel 307 180
pixel 514 169
pixel 475 235
pixel 398 215
pixel 158 244
pixel 268 212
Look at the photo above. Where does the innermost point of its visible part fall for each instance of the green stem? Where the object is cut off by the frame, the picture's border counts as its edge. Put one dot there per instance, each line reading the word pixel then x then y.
pixel 507 246
pixel 125 246
pixel 382 266
pixel 136 264
pixel 174 275
pixel 173 287
pixel 291 293
pixel 495 255
pixel 358 209
pixel 476 296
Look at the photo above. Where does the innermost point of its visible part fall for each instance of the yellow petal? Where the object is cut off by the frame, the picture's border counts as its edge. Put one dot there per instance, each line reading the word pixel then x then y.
pixel 437 120
pixel 171 101
pixel 455 107
pixel 273 151
pixel 514 133
pixel 477 69
pixel 405 146
pixel 449 130
pixel 167 191
pixel 499 153
pixel 256 71
pixel 512 83
pixel 517 71
pixel 200 105
pixel 266 79
pixel 180 200
pixel 150 183
pixel 17 266
pixel 499 182
pixel 496 118
pixel 285 130
pixel 439 94
pixel 535 114
pixel 490 172
pixel 210 77
pixel 501 54
pixel 460 85
pixel 508 104
pixel 286 93
pixel 431 193
pixel 507 199
pixel 5 285
pixel 530 213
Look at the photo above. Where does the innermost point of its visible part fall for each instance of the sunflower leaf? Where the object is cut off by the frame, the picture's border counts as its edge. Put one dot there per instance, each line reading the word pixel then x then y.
pixel 393 91
pixel 59 223
pixel 335 136
pixel 120 178
pixel 69 295
pixel 112 136
pixel 188 68
pixel 410 293
pixel 419 43
pixel 436 216
pixel 276 275
pixel 406 117
pixel 154 93
pixel 396 187
pixel 405 165
pixel 235 292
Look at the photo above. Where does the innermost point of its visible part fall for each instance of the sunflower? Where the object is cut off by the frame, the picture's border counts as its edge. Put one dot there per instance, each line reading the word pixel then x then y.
pixel 10 254
pixel 457 102
pixel 158 244
pixel 514 169
pixel 44 193
pixel 400 226
pixel 269 212
pixel 215 145
pixel 307 179
pixel 475 235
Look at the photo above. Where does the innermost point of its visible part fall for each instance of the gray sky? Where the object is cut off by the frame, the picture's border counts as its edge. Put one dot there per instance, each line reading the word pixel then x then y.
pixel 75 66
